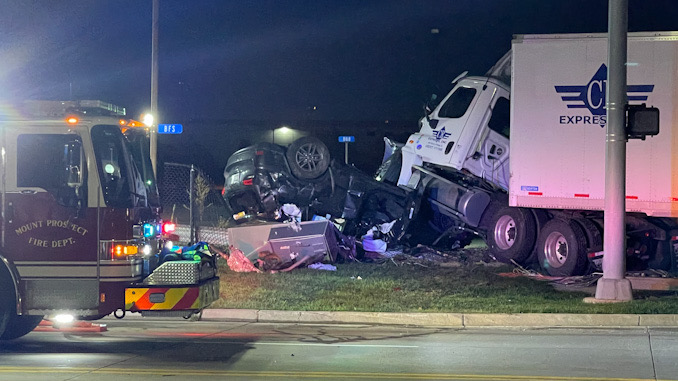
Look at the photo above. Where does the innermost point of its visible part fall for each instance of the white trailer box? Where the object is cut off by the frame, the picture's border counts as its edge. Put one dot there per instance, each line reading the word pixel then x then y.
pixel 558 122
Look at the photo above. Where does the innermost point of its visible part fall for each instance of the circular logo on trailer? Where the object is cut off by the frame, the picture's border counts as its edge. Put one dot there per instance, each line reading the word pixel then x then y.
pixel 419 146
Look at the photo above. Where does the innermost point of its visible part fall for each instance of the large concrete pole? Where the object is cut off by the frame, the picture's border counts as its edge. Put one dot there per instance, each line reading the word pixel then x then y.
pixel 154 87
pixel 613 285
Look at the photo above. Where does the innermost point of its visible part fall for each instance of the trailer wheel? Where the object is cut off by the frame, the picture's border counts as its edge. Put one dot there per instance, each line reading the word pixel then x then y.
pixel 662 256
pixel 561 248
pixel 308 157
pixel 511 234
pixel 20 325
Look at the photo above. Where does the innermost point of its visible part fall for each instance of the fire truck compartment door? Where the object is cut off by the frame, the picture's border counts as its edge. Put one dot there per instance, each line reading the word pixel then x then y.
pixel 172 298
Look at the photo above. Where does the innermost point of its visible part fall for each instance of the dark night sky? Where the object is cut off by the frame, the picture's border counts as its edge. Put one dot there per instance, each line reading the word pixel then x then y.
pixel 272 60
pixel 276 60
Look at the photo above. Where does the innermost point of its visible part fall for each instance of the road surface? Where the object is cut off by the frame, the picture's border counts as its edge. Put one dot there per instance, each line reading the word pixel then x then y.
pixel 140 349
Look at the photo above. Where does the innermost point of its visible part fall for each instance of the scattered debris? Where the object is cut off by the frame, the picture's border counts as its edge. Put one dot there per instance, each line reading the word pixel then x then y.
pixel 375 240
pixel 237 261
pixel 286 246
pixel 322 266
pixel 293 214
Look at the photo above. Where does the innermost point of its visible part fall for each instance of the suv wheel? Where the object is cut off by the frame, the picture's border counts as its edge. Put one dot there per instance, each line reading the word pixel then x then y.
pixel 308 158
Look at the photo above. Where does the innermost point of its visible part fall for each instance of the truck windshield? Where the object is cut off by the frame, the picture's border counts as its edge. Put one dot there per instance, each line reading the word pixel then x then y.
pixel 456 105
pixel 140 147
pixel 113 165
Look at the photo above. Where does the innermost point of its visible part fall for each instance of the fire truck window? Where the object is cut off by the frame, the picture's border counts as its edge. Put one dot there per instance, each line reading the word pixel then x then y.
pixel 40 160
pixel 501 117
pixel 41 164
pixel 112 166
pixel 456 105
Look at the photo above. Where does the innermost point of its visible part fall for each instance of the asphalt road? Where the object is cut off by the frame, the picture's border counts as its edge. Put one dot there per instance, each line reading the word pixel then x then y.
pixel 139 349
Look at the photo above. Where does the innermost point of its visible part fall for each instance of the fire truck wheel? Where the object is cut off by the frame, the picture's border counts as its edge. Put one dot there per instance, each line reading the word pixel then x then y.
pixel 5 313
pixel 7 302
pixel 308 157
pixel 561 248
pixel 511 234
pixel 20 325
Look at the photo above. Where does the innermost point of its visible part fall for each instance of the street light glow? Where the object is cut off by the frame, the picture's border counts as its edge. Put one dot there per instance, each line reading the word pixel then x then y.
pixel 147 119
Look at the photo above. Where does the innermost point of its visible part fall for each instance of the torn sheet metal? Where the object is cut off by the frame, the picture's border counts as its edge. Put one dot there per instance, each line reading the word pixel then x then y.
pixel 279 247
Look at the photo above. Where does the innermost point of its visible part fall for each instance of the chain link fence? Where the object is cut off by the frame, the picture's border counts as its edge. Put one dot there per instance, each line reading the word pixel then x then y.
pixel 190 199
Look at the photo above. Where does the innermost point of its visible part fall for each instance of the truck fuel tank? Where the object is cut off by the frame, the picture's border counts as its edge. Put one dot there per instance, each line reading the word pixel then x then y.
pixel 453 199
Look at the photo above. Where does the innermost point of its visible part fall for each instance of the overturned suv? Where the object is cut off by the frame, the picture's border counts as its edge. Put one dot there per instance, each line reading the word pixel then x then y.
pixel 261 178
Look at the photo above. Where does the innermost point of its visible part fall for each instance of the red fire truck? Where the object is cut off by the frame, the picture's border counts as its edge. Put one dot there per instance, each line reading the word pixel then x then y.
pixel 80 227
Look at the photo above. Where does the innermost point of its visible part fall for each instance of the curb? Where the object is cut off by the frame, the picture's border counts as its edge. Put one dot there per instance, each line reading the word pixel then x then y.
pixel 456 320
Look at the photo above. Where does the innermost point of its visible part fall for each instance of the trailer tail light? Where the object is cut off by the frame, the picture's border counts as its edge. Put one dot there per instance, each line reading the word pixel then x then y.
pixel 168 227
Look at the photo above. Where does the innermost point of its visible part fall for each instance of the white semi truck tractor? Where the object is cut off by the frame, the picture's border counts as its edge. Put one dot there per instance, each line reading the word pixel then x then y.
pixel 543 106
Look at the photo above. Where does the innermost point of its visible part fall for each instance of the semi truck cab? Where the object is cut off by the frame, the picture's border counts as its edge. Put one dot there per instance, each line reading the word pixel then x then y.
pixel 468 131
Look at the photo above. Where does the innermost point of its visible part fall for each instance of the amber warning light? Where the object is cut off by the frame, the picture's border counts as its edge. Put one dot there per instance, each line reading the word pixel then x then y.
pixel 72 120
pixel 120 250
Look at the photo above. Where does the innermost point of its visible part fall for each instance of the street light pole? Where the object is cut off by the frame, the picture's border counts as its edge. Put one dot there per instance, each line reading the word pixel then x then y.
pixel 613 285
pixel 154 87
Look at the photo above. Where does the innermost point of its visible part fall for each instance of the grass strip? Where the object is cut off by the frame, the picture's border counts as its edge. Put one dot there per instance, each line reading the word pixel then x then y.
pixel 386 287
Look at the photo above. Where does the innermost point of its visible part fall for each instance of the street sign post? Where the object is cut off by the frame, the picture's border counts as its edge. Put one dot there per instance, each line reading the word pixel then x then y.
pixel 346 140
pixel 170 128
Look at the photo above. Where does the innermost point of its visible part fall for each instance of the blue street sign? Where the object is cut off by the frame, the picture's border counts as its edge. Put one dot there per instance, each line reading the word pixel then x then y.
pixel 170 128
pixel 346 139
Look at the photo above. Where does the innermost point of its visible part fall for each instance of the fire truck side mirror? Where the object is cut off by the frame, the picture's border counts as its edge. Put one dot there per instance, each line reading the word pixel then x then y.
pixel 74 163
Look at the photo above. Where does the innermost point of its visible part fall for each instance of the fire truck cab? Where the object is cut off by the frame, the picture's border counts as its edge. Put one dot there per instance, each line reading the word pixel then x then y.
pixel 79 218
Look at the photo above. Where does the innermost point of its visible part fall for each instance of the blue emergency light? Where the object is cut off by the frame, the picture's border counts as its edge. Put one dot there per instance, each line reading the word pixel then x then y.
pixel 149 230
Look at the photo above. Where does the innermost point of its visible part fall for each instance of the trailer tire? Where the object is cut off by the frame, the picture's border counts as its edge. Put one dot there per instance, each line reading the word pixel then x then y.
pixel 561 248
pixel 511 235
pixel 662 256
pixel 20 325
pixel 308 158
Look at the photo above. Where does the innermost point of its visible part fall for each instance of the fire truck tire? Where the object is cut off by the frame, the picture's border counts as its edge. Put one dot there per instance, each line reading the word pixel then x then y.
pixel 7 298
pixel 308 157
pixel 5 313
pixel 20 325
pixel 511 235
pixel 561 248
